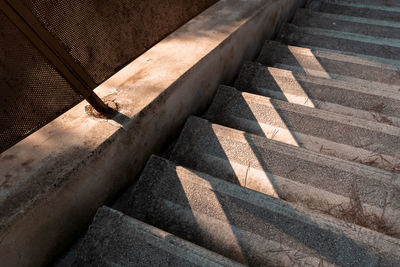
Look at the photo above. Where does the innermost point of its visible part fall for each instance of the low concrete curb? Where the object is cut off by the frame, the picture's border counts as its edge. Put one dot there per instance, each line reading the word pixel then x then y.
pixel 55 180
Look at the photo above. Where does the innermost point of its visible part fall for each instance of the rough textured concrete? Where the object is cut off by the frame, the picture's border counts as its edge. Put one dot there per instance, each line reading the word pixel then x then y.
pixel 348 42
pixel 247 226
pixel 384 3
pixel 308 18
pixel 115 239
pixel 361 9
pixel 352 99
pixel 55 179
pixel 387 3
pixel 328 63
pixel 319 182
pixel 317 130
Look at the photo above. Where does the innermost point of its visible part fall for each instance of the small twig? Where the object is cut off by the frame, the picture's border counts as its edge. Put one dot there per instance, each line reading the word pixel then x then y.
pixel 274 133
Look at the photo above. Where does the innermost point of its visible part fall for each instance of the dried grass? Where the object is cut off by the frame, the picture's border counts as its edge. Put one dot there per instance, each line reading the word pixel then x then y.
pixel 378 108
pixel 382 118
pixel 376 111
pixel 355 213
pixel 352 212
pixel 379 161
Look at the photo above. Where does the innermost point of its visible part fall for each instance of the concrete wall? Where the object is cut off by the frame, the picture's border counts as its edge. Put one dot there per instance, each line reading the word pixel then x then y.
pixel 59 176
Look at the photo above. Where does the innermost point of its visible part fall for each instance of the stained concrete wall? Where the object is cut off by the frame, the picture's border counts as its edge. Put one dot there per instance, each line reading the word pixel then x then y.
pixel 59 176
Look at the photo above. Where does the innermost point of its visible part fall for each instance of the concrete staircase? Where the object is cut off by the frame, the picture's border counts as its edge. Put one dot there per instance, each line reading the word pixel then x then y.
pixel 126 241
pixel 297 164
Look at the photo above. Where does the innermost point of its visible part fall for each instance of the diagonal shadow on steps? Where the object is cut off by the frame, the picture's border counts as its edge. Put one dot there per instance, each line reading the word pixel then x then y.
pixel 322 249
pixel 260 131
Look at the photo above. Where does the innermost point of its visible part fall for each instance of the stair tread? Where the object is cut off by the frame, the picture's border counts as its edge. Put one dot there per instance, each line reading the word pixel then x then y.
pixel 377 10
pixel 350 42
pixel 291 173
pixel 132 242
pixel 247 226
pixel 301 167
pixel 375 104
pixel 379 28
pixel 388 5
pixel 376 3
pixel 354 139
pixel 331 65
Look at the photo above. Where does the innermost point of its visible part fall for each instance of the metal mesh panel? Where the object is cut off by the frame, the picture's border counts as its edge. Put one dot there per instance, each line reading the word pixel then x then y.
pixel 103 36
pixel 31 91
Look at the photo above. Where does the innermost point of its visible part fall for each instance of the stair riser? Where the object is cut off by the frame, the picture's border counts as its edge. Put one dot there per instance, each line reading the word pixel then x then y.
pixel 131 241
pixel 336 40
pixel 285 172
pixel 363 11
pixel 289 190
pixel 242 224
pixel 320 145
pixel 388 4
pixel 273 54
pixel 323 105
pixel 305 127
pixel 305 18
pixel 222 237
pixel 319 93
pixel 390 90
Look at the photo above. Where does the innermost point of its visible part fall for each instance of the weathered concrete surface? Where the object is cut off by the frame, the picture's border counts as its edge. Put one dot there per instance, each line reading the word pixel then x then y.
pixel 329 133
pixel 388 3
pixel 359 44
pixel 53 181
pixel 323 183
pixel 374 3
pixel 352 99
pixel 330 64
pixel 364 9
pixel 379 28
pixel 247 226
pixel 115 239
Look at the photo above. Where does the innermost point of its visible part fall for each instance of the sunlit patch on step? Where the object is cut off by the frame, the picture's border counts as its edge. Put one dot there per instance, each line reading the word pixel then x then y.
pixel 229 234
pixel 271 131
pixel 364 154
pixel 297 94
pixel 312 60
pixel 349 208
pixel 246 175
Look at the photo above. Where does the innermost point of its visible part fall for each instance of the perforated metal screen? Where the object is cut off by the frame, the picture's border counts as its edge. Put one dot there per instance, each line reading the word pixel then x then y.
pixel 101 36
pixel 32 92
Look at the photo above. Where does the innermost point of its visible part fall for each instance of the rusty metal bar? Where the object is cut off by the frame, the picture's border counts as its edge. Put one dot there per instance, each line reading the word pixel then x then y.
pixel 50 47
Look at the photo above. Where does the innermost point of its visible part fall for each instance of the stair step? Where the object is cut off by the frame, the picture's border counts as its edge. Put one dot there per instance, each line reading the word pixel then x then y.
pixel 350 42
pixel 308 18
pixel 321 93
pixel 316 181
pixel 370 143
pixel 331 65
pixel 373 10
pixel 382 3
pixel 247 226
pixel 115 239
